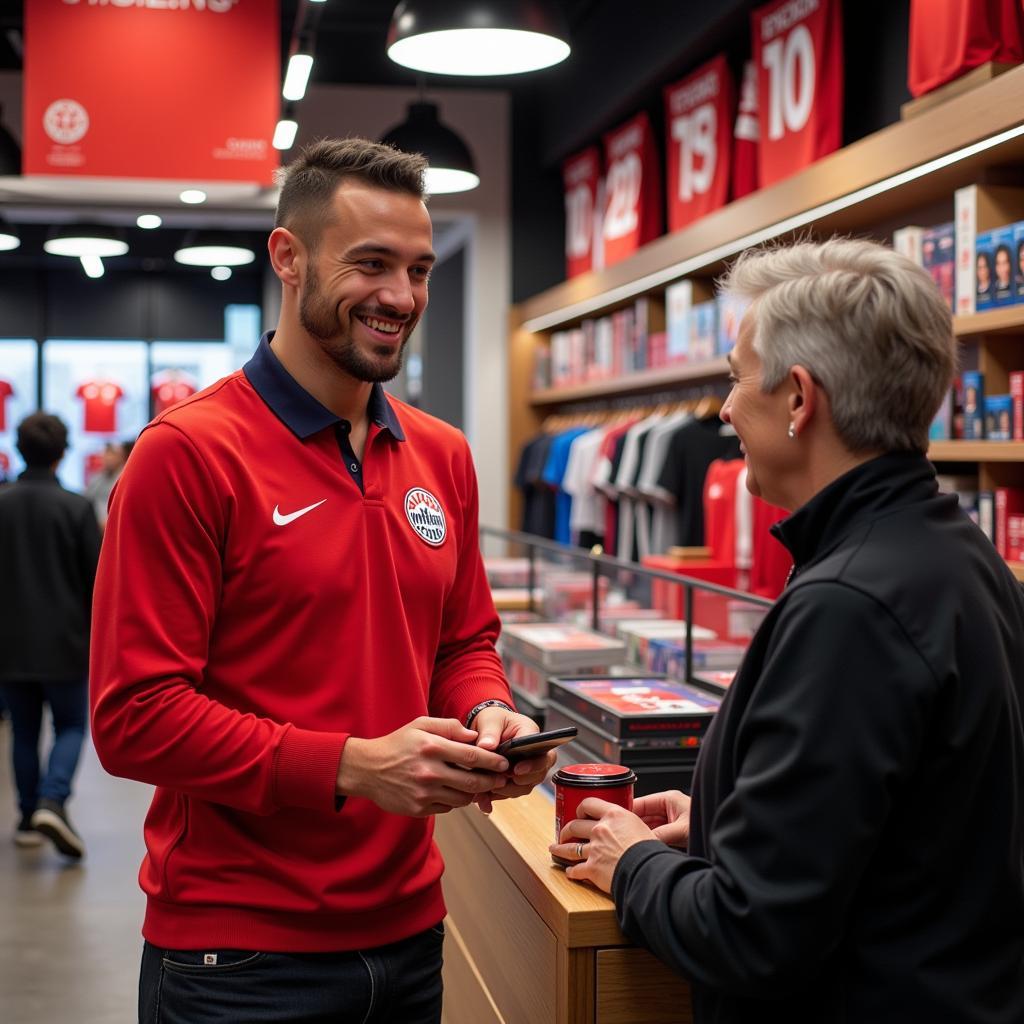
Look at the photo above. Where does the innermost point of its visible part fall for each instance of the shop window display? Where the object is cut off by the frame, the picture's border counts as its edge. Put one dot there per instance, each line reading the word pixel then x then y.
pixel 18 389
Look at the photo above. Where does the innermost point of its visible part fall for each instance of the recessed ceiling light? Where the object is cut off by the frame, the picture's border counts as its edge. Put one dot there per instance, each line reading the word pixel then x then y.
pixel 193 196
pixel 220 273
pixel 79 240
pixel 149 221
pixel 8 241
pixel 284 133
pixel 92 265
pixel 214 249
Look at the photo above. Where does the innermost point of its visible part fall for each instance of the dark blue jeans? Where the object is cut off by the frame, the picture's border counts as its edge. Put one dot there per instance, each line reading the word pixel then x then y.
pixel 68 702
pixel 395 984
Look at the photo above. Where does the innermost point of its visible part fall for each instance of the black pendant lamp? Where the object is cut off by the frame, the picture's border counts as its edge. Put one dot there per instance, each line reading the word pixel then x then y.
pixel 451 164
pixel 477 37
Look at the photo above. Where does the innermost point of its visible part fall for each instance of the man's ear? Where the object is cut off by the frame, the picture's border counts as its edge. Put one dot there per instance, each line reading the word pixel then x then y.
pixel 287 256
pixel 803 398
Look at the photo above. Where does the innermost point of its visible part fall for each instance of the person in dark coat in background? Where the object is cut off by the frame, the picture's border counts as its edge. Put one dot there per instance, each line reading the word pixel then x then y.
pixel 49 547
pixel 854 849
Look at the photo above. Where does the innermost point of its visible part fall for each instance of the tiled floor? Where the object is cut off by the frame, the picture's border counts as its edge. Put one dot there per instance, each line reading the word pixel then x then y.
pixel 69 933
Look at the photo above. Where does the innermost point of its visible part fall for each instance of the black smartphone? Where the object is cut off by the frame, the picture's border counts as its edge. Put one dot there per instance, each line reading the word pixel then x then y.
pixel 522 747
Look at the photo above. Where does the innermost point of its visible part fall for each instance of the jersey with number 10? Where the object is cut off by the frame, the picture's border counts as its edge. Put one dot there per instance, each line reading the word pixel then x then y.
pixel 798 51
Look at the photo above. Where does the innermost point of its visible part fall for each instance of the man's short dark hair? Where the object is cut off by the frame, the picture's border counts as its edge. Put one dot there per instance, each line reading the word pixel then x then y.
pixel 309 182
pixel 42 439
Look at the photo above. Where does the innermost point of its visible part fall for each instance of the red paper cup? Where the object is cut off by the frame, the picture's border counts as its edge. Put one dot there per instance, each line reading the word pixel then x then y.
pixel 575 782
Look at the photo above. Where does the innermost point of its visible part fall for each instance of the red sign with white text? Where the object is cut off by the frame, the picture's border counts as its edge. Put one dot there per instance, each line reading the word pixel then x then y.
pixel 698 138
pixel 746 136
pixel 172 89
pixel 632 212
pixel 581 175
pixel 798 51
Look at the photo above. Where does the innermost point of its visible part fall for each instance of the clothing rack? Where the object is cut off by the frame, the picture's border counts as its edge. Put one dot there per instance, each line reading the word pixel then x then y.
pixel 704 402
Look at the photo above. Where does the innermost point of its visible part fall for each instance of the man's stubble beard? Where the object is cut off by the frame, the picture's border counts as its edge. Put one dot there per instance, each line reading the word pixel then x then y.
pixel 319 319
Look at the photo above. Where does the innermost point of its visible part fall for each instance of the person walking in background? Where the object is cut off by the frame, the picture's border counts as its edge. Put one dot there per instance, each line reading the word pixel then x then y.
pixel 49 546
pixel 854 849
pixel 98 489
pixel 295 638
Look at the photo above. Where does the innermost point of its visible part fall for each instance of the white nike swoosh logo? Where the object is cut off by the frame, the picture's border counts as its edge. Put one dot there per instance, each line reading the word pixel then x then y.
pixel 281 520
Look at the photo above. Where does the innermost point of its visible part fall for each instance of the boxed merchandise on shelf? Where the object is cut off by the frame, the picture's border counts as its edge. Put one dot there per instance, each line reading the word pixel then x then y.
pixel 507 572
pixel 566 591
pixel 998 417
pixel 1015 538
pixel 731 310
pixel 669 656
pixel 941 428
pixel 680 300
pixel 716 682
pixel 649 724
pixel 609 616
pixel 509 599
pixel 638 633
pixel 938 257
pixel 703 331
pixel 1009 501
pixel 972 386
pixel 560 646
pixel 978 210
pixel 1017 403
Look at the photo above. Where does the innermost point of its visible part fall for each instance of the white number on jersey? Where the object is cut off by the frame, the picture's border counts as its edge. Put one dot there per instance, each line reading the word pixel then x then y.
pixel 789 61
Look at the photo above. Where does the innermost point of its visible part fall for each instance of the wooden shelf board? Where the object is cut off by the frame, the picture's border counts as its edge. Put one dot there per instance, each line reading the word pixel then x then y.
pixel 1008 320
pixel 976 451
pixel 974 116
pixel 1017 568
pixel 635 383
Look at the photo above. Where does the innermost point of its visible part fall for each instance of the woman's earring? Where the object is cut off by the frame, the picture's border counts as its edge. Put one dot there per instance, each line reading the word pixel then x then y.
pixel 792 431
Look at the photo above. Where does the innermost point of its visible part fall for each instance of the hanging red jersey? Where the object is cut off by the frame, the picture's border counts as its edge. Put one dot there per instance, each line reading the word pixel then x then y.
pixel 632 212
pixel 6 390
pixel 100 398
pixel 798 51
pixel 698 138
pixel 950 37
pixel 170 387
pixel 581 175
pixel 746 135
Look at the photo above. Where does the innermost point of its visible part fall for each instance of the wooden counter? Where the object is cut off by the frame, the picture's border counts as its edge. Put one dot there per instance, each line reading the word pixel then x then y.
pixel 527 946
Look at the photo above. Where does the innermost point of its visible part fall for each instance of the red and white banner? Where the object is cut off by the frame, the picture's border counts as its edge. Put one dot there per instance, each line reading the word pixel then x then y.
pixel 632 209
pixel 581 176
pixel 173 89
pixel 698 140
pixel 798 51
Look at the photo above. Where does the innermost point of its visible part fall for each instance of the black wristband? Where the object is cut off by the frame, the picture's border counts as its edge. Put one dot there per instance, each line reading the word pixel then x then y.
pixel 486 704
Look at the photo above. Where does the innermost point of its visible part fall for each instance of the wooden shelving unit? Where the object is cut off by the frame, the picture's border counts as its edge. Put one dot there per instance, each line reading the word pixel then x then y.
pixel 976 451
pixel 882 179
pixel 664 378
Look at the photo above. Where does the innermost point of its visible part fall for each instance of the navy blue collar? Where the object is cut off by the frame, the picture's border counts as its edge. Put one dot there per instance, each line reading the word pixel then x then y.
pixel 296 408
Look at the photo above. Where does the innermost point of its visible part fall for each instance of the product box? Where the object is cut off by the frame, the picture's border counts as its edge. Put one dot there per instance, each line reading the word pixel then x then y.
pixel 1018 259
pixel 979 208
pixel 1009 502
pixel 703 331
pixel 1003 277
pixel 1015 538
pixel 507 572
pixel 908 242
pixel 938 257
pixel 636 707
pixel 1017 401
pixel 716 682
pixel 678 302
pixel 998 417
pixel 638 633
pixel 986 504
pixel 669 656
pixel 972 387
pixel 554 646
pixel 984 276
pixel 731 310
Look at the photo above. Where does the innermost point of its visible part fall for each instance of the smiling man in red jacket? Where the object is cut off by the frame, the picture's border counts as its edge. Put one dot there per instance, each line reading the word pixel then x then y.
pixel 294 638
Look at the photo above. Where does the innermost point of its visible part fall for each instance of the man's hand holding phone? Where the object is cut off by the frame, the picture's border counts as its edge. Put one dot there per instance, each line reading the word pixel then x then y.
pixel 501 729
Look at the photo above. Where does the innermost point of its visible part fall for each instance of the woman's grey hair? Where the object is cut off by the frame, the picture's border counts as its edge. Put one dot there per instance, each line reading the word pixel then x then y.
pixel 870 326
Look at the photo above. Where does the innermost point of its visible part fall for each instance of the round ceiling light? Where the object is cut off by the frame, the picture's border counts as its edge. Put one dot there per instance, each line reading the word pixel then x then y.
pixel 204 249
pixel 497 37
pixel 80 240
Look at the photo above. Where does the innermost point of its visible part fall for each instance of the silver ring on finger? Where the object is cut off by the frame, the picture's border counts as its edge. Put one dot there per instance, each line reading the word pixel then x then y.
pixel 579 851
